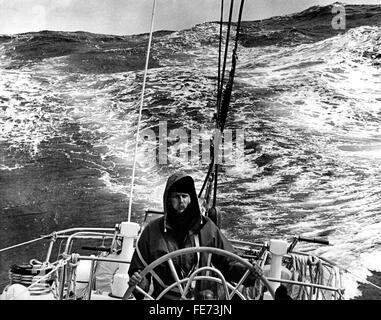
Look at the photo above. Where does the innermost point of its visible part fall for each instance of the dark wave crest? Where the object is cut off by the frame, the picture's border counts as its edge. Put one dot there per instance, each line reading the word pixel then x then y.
pixel 98 53
pixel 308 26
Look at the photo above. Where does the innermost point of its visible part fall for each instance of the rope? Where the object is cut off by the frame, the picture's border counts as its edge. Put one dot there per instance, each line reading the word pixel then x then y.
pixel 229 87
pixel 225 58
pixel 207 177
pixel 362 279
pixel 219 94
pixel 140 110
pixel 359 278
pixel 219 55
pixel 60 264
pixel 352 274
pixel 220 81
pixel 24 243
pixel 314 270
pixel 215 184
pixel 223 102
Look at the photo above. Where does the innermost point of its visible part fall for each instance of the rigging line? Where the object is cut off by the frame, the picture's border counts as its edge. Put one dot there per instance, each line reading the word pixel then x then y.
pixel 24 243
pixel 361 279
pixel 219 93
pixel 227 93
pixel 208 193
pixel 207 177
pixel 351 273
pixel 219 98
pixel 229 86
pixel 225 58
pixel 141 109
pixel 215 184
pixel 219 55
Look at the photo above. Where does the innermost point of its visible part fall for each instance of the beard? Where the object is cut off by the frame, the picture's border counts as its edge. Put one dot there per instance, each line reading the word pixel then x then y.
pixel 180 222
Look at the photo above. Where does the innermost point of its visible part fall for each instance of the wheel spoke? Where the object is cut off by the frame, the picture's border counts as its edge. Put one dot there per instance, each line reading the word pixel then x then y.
pixel 239 283
pixel 158 279
pixel 209 262
pixel 219 274
pixel 144 293
pixel 174 273
pixel 209 259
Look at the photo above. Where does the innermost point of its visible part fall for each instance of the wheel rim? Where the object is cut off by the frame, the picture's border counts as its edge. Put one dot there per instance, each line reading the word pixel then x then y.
pixel 178 282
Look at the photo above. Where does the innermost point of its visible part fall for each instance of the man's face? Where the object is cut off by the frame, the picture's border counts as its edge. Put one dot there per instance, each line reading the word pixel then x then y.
pixel 180 201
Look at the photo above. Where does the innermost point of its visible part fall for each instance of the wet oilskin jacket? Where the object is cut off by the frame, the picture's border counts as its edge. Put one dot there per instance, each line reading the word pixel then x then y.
pixel 159 237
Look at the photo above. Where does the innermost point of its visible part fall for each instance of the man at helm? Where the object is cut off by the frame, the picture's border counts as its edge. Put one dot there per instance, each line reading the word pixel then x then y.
pixel 182 226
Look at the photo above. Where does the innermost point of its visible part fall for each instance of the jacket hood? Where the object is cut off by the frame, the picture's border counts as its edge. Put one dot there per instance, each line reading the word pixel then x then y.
pixel 187 183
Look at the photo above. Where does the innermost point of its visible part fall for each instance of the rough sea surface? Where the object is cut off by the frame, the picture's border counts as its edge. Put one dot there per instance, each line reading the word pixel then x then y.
pixel 307 96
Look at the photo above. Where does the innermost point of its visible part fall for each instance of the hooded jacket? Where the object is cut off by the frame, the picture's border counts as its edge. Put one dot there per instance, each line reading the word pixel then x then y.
pixel 161 236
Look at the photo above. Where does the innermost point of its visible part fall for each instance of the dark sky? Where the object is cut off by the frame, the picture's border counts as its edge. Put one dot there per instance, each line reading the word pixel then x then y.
pixel 133 16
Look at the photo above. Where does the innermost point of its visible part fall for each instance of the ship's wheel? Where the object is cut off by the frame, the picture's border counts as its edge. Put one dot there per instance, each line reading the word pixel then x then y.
pixel 184 285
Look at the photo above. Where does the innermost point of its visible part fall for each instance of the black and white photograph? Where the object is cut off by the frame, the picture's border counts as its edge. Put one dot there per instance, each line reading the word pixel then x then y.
pixel 163 150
